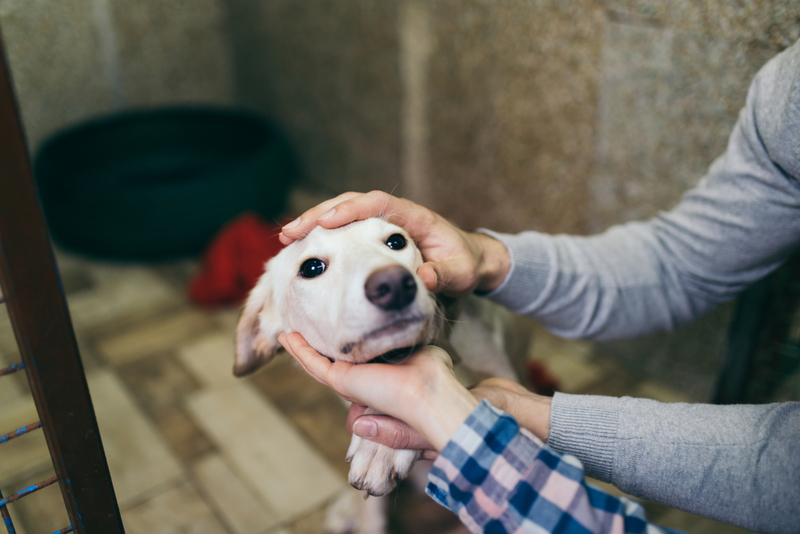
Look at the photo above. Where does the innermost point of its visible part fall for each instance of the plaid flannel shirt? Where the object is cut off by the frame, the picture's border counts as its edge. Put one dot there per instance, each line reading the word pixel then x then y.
pixel 499 478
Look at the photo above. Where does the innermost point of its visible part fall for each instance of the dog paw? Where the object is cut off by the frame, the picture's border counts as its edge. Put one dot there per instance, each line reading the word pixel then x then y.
pixel 375 468
pixel 350 514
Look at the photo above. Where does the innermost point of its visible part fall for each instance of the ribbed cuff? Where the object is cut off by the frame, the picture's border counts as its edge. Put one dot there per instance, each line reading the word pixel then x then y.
pixel 523 289
pixel 585 426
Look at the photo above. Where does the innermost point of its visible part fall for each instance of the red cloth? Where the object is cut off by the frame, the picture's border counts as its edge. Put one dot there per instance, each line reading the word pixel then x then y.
pixel 540 379
pixel 234 261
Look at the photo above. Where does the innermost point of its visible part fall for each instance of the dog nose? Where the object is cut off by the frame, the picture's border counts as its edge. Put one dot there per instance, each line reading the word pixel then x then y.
pixel 391 288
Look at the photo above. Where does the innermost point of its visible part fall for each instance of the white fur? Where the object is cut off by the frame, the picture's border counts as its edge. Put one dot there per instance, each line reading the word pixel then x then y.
pixel 334 315
pixel 331 311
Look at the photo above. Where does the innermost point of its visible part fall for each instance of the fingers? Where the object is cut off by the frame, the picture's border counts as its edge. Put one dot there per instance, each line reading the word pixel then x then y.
pixel 389 431
pixel 310 360
pixel 349 207
pixel 374 204
pixel 448 277
pixel 300 227
pixel 427 271
pixel 356 410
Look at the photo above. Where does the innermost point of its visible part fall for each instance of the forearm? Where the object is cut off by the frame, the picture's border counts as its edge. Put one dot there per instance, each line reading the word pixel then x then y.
pixel 739 224
pixel 737 464
pixel 493 261
pixel 440 410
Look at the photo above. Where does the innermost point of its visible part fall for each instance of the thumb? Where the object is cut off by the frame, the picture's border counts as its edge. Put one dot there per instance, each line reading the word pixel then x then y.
pixel 390 432
pixel 427 271
pixel 443 277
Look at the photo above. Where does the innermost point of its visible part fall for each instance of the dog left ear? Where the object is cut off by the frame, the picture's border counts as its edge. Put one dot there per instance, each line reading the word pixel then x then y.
pixel 258 329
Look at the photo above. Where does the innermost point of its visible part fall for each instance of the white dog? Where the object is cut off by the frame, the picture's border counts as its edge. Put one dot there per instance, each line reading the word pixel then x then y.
pixel 354 295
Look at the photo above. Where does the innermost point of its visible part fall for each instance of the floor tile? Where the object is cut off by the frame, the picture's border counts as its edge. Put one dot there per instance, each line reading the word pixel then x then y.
pixel 138 458
pixel 227 318
pixel 265 448
pixel 15 385
pixel 42 511
pixel 285 383
pixel 210 358
pixel 235 502
pixel 181 433
pixel 546 346
pixel 26 453
pixel 19 526
pixel 323 424
pixel 411 511
pixel 316 410
pixel 572 375
pixel 86 349
pixel 120 291
pixel 76 277
pixel 157 381
pixel 569 361
pixel 312 523
pixel 8 343
pixel 156 335
pixel 695 524
pixel 649 389
pixel 179 510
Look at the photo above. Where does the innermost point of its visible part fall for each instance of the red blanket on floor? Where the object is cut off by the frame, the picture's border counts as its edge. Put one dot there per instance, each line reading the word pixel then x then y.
pixel 234 261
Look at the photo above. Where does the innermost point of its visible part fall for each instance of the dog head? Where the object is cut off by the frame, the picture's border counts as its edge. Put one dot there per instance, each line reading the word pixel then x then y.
pixel 352 292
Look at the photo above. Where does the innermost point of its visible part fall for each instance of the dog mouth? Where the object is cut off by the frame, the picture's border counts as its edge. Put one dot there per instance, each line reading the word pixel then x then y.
pixel 394 327
pixel 396 355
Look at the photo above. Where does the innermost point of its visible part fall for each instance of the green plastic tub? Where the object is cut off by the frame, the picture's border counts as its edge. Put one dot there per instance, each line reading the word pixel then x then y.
pixel 158 184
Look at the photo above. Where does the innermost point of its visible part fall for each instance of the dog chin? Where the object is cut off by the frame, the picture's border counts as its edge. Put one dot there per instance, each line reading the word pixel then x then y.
pixel 370 348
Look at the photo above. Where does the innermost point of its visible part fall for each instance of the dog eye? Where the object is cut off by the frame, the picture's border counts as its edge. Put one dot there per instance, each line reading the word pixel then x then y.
pixel 396 242
pixel 312 268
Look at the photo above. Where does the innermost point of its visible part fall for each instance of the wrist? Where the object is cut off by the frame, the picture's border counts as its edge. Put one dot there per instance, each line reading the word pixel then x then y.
pixel 531 411
pixel 493 262
pixel 444 411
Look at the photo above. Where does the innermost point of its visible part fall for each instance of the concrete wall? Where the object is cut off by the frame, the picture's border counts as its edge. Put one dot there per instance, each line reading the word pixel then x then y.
pixel 561 116
pixel 74 59
pixel 542 114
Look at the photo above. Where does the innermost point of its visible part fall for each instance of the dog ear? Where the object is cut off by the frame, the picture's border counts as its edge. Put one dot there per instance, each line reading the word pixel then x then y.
pixel 258 329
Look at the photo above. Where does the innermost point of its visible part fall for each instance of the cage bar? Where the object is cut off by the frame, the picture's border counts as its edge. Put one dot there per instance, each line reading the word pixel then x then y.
pixel 21 431
pixel 12 369
pixel 27 491
pixel 6 518
pixel 38 312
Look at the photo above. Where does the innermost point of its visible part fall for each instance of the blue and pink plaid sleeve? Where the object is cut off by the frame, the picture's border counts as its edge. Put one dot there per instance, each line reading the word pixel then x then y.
pixel 500 479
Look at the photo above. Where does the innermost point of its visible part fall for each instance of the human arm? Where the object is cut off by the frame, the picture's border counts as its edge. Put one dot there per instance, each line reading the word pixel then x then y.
pixel 738 225
pixel 490 471
pixel 423 391
pixel 498 477
pixel 737 464
pixel 735 227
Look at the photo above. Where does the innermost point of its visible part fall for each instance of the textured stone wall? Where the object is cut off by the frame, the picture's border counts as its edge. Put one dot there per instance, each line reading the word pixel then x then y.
pixel 557 116
pixel 75 59
pixel 328 72
pixel 561 116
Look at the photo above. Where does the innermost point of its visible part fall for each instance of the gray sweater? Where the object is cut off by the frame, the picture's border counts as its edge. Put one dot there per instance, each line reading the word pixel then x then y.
pixel 737 464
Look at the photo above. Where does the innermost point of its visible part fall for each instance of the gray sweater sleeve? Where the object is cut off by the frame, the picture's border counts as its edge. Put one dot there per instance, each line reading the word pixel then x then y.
pixel 739 224
pixel 737 464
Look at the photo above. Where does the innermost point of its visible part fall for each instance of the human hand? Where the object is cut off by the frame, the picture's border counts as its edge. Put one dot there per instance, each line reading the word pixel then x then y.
pixel 387 430
pixel 531 411
pixel 456 262
pixel 422 391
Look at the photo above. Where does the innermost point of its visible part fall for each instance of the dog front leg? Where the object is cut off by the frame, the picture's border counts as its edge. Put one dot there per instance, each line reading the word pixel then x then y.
pixel 376 468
